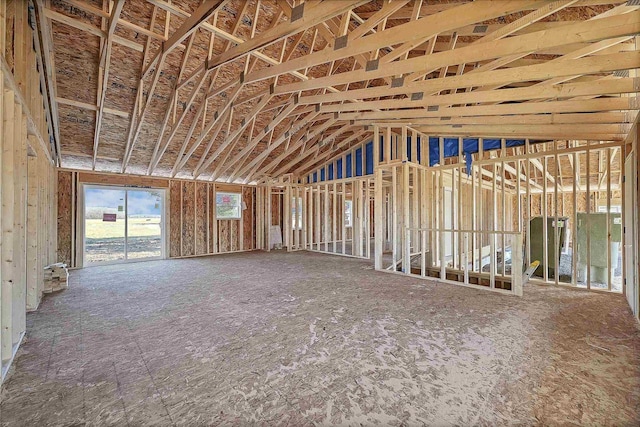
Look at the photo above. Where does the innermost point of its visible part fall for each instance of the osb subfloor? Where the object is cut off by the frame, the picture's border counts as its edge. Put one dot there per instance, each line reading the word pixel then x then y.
pixel 306 338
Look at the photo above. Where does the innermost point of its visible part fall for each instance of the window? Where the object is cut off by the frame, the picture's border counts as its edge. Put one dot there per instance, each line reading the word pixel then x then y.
pixel 296 213
pixel 228 206
pixel 348 209
pixel 122 224
pixel 614 209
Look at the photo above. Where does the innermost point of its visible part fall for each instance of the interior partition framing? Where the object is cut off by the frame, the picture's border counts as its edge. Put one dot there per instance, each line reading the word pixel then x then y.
pixel 558 202
pixel 330 217
pixel 575 187
pixel 432 235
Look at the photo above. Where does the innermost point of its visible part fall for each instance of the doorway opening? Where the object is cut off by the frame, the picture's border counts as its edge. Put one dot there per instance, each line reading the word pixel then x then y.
pixel 123 224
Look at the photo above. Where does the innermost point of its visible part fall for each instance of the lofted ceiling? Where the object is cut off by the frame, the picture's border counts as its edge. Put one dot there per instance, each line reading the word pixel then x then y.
pixel 233 90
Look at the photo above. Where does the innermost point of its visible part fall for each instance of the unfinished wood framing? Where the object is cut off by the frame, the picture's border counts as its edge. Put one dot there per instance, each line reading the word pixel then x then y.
pixel 28 189
pixel 456 141
pixel 266 94
pixel 483 221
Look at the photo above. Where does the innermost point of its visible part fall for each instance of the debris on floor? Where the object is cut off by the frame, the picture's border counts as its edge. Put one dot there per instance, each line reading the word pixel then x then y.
pixel 56 277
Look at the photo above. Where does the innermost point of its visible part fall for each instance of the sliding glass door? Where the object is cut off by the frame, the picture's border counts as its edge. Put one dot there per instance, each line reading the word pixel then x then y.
pixel 144 224
pixel 122 224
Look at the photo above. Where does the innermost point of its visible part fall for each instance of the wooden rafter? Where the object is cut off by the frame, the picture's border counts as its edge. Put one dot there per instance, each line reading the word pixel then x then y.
pixel 291 164
pixel 615 26
pixel 310 18
pixel 268 129
pixel 188 27
pixel 467 13
pixel 343 145
pixel 273 144
pixel 558 91
pixel 47 46
pixel 232 137
pixel 600 104
pixel 587 65
pixel 236 91
pixel 103 81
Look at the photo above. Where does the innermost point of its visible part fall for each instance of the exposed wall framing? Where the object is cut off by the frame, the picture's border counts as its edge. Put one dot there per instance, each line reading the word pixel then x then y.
pixel 631 191
pixel 442 217
pixel 426 218
pixel 314 216
pixel 291 102
pixel 28 185
pixel 192 227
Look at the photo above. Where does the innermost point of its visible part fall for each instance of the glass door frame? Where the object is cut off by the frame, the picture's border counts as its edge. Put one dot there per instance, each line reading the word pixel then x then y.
pixel 126 190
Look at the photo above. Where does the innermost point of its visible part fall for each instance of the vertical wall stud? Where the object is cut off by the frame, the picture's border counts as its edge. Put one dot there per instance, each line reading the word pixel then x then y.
pixel 379 213
pixel 8 209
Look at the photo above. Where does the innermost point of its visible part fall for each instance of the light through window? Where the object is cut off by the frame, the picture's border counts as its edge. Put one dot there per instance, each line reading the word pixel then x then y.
pixel 228 206
pixel 296 213
pixel 348 210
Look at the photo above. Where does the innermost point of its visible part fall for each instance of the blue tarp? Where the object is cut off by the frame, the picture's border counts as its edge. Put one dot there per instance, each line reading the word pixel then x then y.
pixel 369 155
pixel 469 146
pixel 409 151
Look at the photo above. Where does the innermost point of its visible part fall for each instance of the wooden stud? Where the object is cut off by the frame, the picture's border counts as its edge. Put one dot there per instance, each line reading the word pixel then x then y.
pixel 325 217
pixel 545 232
pixel 494 227
pixel 556 236
pixel 343 207
pixel 379 213
pixel 317 211
pixel 8 236
pixel 334 217
pixel 441 213
pixel 406 212
pixel 608 215
pixel 574 220
pixel 394 216
pixel 588 225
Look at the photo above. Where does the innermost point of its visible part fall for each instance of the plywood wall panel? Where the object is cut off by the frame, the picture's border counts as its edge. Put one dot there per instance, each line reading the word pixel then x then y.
pixel 224 235
pixel 213 241
pixel 201 232
pixel 276 209
pixel 175 209
pixel 201 219
pixel 248 218
pixel 65 209
pixel 188 218
pixel 234 236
